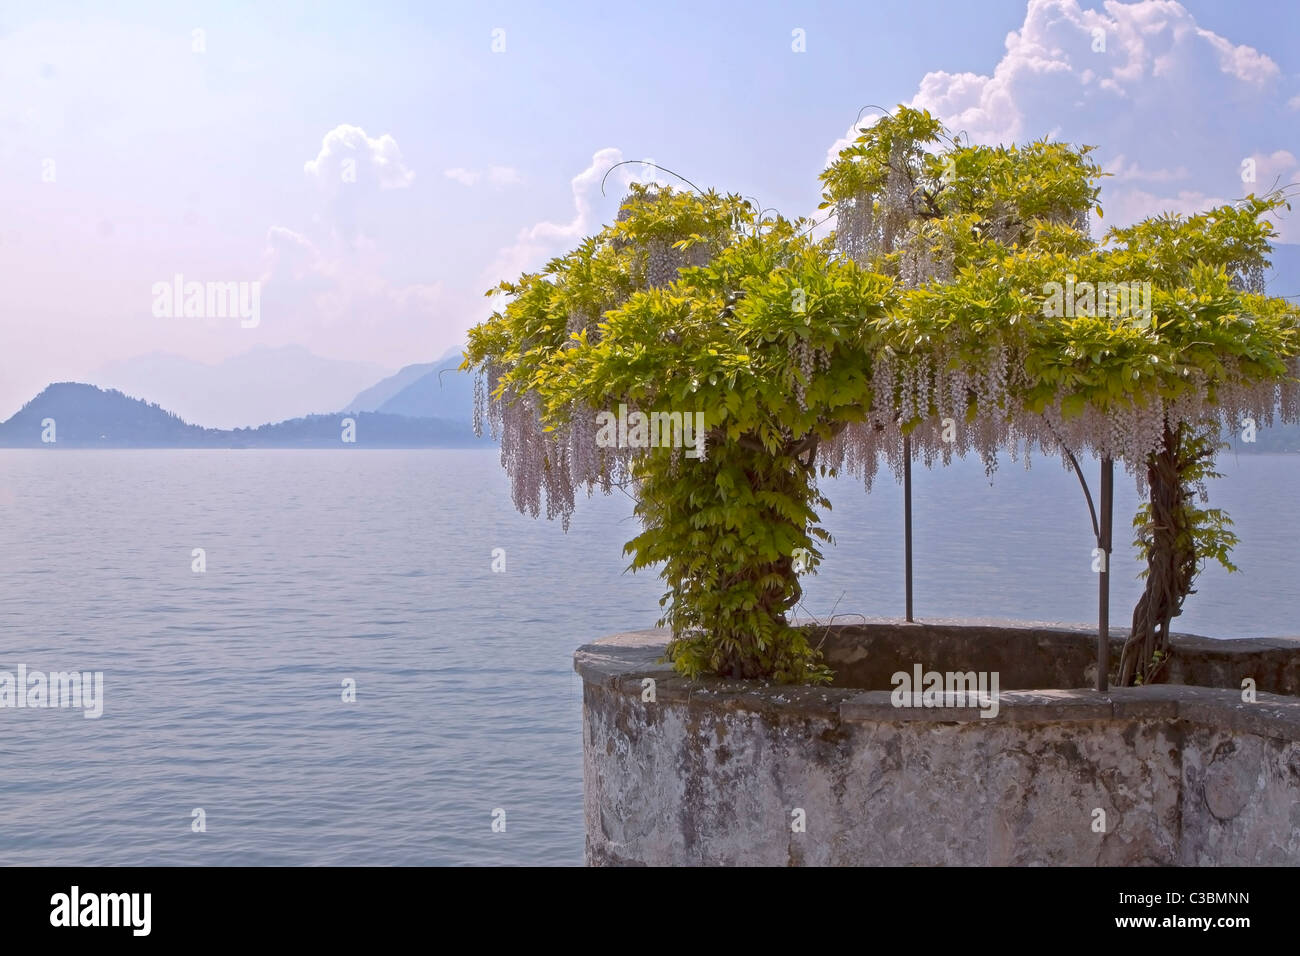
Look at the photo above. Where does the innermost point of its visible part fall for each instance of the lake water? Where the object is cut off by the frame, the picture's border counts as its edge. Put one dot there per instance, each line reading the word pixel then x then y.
pixel 223 690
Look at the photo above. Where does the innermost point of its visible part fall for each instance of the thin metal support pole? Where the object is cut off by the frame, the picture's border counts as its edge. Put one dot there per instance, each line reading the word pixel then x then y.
pixel 1103 595
pixel 907 522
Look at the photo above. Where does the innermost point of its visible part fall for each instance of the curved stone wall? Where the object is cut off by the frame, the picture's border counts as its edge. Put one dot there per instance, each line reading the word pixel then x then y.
pixel 1030 655
pixel 736 772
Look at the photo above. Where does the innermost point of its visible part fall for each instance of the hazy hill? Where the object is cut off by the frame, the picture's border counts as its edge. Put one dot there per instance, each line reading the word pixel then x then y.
pixel 376 395
pixel 373 430
pixel 85 416
pixel 431 390
pixel 262 385
pixel 440 393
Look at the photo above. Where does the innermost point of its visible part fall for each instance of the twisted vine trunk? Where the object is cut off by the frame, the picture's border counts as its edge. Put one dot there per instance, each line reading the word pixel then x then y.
pixel 745 511
pixel 776 583
pixel 1171 560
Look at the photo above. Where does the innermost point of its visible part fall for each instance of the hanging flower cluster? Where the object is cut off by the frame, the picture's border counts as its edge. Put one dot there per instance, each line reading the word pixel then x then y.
pixel 550 452
pixel 928 314
pixel 976 363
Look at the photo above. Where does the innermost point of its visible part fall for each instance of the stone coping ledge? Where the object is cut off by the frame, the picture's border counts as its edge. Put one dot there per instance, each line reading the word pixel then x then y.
pixel 1191 642
pixel 621 662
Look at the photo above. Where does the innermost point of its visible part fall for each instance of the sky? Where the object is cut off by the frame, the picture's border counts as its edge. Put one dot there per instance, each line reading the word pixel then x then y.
pixel 376 167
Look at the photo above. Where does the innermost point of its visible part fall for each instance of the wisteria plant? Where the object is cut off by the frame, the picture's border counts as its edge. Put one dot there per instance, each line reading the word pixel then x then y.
pixel 985 240
pixel 926 313
pixel 691 304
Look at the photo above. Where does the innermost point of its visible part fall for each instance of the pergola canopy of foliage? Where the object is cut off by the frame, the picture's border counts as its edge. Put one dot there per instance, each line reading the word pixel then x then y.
pixel 925 313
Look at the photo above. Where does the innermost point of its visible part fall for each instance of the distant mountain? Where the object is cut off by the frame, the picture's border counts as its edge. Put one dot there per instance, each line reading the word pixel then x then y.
pixel 442 393
pixel 76 415
pixel 86 415
pixel 373 430
pixel 261 385
pixel 376 395
pixel 432 390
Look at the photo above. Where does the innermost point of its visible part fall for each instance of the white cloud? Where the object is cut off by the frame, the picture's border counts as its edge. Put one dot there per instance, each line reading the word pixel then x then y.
pixel 1132 171
pixel 327 287
pixel 1154 52
pixel 466 177
pixel 850 136
pixel 503 176
pixel 1279 168
pixel 537 243
pixel 292 247
pixel 498 176
pixel 1130 205
pixel 1244 62
pixel 1166 102
pixel 347 155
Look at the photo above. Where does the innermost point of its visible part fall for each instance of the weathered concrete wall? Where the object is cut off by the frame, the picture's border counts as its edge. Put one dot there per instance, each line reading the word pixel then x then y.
pixel 1048 655
pixel 711 772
